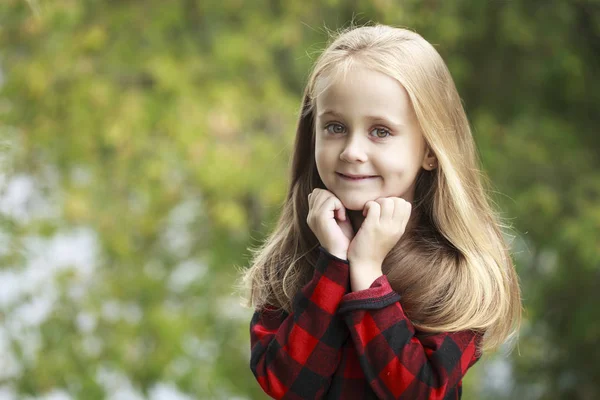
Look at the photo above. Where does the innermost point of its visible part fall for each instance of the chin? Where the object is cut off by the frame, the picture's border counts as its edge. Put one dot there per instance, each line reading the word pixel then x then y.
pixel 355 204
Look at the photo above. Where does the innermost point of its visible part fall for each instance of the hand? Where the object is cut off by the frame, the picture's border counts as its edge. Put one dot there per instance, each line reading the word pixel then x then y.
pixel 385 223
pixel 329 222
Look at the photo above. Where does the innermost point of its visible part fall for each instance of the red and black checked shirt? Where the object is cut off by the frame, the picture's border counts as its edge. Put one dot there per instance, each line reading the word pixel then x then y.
pixel 337 344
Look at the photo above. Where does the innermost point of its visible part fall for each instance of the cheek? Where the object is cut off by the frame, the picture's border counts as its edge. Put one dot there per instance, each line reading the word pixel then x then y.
pixel 399 160
pixel 393 164
pixel 321 165
pixel 323 158
pixel 319 160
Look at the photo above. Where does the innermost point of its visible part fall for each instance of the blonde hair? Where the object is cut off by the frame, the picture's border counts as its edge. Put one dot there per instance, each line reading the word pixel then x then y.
pixel 454 269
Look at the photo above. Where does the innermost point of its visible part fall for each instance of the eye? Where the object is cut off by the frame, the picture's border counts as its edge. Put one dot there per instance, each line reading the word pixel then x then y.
pixel 381 133
pixel 335 128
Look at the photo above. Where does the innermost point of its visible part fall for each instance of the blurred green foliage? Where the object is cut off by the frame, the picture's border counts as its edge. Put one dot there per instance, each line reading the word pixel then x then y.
pixel 162 131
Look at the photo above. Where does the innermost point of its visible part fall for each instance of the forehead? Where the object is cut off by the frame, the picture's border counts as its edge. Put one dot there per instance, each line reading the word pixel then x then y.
pixel 361 90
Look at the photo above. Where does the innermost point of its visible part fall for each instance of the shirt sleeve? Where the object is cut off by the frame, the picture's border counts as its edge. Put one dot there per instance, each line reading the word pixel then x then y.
pixel 293 356
pixel 395 362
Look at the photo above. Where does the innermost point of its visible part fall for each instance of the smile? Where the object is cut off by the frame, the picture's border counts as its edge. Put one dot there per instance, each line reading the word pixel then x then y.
pixel 355 179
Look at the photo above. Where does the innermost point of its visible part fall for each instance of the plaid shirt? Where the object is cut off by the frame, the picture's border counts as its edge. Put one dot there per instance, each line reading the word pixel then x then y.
pixel 338 344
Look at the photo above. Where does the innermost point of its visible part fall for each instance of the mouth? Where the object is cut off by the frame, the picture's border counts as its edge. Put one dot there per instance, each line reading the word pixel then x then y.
pixel 356 177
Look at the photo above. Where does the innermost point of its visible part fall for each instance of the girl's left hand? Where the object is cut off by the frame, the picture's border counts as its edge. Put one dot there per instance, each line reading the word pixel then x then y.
pixel 385 223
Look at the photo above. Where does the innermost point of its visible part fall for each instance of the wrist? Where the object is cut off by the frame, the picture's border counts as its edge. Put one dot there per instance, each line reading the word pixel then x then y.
pixel 363 276
pixel 365 265
pixel 343 255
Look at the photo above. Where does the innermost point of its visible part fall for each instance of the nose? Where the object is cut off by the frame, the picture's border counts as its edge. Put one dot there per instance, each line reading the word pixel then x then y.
pixel 354 150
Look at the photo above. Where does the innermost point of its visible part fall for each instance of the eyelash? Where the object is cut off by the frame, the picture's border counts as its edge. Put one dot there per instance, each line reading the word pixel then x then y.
pixel 389 133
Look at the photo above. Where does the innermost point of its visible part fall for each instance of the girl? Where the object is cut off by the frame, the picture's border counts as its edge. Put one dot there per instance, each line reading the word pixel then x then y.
pixel 387 275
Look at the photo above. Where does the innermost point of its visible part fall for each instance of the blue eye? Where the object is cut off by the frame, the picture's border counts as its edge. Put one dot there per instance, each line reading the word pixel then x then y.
pixel 381 133
pixel 335 128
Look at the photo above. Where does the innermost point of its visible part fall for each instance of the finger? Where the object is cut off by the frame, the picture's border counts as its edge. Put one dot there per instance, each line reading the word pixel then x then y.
pixel 341 213
pixel 398 208
pixel 329 207
pixel 332 204
pixel 402 210
pixel 319 197
pixel 408 208
pixel 387 207
pixel 372 210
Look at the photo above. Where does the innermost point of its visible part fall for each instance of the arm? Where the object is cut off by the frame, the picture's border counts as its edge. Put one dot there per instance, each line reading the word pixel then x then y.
pixel 395 362
pixel 294 355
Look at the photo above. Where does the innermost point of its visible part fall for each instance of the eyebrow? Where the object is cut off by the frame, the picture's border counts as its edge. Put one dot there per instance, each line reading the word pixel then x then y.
pixel 371 117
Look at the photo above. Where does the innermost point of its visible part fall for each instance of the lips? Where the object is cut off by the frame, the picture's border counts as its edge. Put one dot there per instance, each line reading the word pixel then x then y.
pixel 355 177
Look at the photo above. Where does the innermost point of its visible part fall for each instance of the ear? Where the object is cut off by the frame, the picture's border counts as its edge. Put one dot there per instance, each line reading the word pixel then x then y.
pixel 429 160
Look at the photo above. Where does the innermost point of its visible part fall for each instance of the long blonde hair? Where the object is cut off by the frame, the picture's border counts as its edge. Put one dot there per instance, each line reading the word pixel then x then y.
pixel 454 269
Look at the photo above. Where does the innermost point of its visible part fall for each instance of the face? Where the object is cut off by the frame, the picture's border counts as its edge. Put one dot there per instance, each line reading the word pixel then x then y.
pixel 368 143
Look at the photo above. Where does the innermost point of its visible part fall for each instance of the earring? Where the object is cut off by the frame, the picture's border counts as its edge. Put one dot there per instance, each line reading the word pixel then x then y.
pixel 431 165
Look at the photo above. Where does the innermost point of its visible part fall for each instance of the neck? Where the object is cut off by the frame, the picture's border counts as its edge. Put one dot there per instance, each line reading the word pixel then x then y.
pixel 356 218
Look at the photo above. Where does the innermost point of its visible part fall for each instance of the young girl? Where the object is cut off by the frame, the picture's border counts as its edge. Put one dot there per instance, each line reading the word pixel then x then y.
pixel 387 275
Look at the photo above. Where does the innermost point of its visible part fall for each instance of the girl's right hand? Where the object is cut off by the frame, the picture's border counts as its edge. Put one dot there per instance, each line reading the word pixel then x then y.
pixel 329 222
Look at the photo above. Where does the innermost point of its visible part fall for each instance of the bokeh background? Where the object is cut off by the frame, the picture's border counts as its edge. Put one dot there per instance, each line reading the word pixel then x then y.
pixel 144 146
